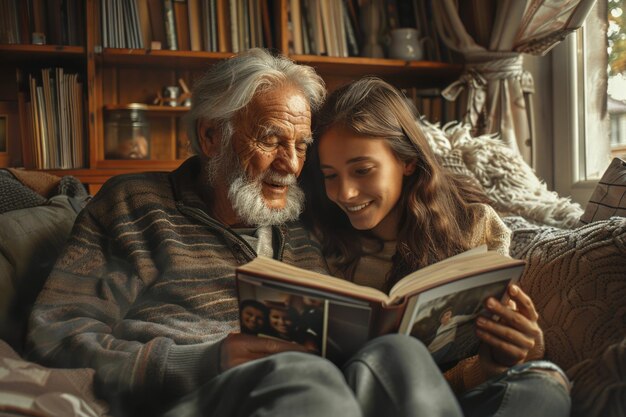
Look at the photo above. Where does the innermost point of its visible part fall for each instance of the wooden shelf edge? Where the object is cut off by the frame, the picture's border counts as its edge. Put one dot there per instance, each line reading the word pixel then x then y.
pixel 150 109
pixel 399 71
pixel 382 62
pixel 110 168
pixel 44 49
pixel 167 58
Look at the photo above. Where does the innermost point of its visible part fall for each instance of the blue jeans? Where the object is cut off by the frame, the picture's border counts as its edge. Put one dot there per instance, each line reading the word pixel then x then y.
pixel 520 391
pixel 393 375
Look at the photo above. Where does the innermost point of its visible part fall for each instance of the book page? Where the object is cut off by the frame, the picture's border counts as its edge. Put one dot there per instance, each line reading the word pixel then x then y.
pixel 456 267
pixel 443 318
pixel 282 272
pixel 334 327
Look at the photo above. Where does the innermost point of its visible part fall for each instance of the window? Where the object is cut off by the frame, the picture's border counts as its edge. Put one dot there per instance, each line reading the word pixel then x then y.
pixel 589 100
pixel 616 98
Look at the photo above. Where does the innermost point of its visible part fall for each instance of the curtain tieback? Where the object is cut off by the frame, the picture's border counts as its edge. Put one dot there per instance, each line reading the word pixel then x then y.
pixel 485 67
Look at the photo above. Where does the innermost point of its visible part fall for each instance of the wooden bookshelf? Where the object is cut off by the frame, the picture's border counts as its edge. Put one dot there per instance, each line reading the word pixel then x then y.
pixel 114 79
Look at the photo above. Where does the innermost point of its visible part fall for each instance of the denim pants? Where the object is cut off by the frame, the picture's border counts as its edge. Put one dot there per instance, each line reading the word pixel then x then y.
pixel 393 375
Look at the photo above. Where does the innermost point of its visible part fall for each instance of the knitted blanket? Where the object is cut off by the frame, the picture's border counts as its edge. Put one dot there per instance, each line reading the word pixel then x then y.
pixel 577 280
pixel 510 184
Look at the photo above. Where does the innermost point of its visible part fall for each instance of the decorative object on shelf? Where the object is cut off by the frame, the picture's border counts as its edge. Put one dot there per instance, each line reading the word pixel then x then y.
pixel 185 98
pixel 127 133
pixel 371 13
pixel 172 96
pixel 405 44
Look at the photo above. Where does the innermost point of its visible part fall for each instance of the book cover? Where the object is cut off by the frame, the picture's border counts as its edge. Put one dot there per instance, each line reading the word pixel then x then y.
pixel 195 31
pixel 170 25
pixel 181 15
pixel 295 20
pixel 223 22
pixel 268 40
pixel 437 304
pixel 157 22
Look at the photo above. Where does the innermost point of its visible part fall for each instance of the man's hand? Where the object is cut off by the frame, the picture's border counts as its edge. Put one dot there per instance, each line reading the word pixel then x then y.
pixel 512 334
pixel 239 348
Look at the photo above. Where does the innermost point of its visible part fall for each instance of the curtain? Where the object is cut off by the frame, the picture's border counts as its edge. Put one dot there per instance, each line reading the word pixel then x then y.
pixel 492 36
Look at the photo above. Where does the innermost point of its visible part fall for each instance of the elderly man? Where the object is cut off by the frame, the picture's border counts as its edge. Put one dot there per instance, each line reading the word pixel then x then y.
pixel 144 291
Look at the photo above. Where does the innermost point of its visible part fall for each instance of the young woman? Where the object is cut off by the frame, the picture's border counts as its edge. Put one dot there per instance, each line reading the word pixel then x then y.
pixel 382 207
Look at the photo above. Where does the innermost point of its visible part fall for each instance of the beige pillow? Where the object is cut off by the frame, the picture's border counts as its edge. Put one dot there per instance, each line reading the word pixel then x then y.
pixel 577 280
pixel 609 197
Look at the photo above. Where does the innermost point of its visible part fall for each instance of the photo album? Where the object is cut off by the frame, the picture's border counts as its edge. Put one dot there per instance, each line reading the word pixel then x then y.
pixel 437 304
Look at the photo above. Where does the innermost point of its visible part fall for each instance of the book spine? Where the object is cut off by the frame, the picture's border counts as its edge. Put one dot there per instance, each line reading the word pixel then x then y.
pixel 144 21
pixel 181 15
pixel 195 32
pixel 170 25
pixel 234 23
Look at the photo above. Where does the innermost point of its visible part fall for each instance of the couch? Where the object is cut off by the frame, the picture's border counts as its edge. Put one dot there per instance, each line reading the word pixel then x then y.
pixel 575 273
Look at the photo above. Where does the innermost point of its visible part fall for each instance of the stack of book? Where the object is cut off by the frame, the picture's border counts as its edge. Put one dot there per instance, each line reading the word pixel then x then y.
pixel 54 22
pixel 324 27
pixel 54 121
pixel 334 27
pixel 187 25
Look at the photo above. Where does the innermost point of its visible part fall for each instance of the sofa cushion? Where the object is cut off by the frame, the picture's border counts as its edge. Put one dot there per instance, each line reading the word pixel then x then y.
pixel 609 197
pixel 30 241
pixel 577 280
pixel 28 389
pixel 15 195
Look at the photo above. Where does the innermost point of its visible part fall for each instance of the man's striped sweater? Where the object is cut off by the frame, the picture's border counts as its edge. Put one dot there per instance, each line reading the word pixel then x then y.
pixel 144 288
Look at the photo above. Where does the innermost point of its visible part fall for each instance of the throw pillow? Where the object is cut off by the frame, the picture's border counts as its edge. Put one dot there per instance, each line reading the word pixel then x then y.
pixel 14 195
pixel 577 280
pixel 29 389
pixel 609 197
pixel 510 184
pixel 30 241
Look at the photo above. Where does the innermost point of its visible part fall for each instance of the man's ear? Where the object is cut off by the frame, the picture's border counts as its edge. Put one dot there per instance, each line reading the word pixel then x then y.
pixel 209 138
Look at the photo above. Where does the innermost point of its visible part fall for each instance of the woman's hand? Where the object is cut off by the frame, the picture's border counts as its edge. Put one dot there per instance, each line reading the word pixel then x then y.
pixel 512 333
pixel 240 348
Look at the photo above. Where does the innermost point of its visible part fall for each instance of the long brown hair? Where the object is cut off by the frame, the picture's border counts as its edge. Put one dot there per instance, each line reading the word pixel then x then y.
pixel 435 217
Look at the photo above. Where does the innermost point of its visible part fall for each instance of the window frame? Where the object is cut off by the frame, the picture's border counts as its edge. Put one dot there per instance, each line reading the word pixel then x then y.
pixel 568 104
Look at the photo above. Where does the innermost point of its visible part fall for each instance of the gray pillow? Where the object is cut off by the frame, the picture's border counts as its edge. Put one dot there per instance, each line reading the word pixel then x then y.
pixel 30 241
pixel 609 197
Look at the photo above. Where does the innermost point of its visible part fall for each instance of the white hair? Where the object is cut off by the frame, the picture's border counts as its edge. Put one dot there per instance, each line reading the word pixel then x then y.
pixel 231 84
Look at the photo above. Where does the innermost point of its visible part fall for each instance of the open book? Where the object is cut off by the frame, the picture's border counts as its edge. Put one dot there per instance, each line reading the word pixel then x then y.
pixel 437 304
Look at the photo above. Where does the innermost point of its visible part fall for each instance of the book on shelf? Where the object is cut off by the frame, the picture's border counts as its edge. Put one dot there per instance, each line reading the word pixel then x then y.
pixel 234 24
pixel 194 12
pixel 295 22
pixel 223 20
pixel 169 19
pixel 60 21
pixel 53 120
pixel 437 304
pixel 268 40
pixel 157 21
pixel 181 15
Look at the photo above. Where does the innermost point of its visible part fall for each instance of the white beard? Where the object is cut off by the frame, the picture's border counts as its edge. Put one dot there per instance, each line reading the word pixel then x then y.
pixel 246 195
pixel 247 199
